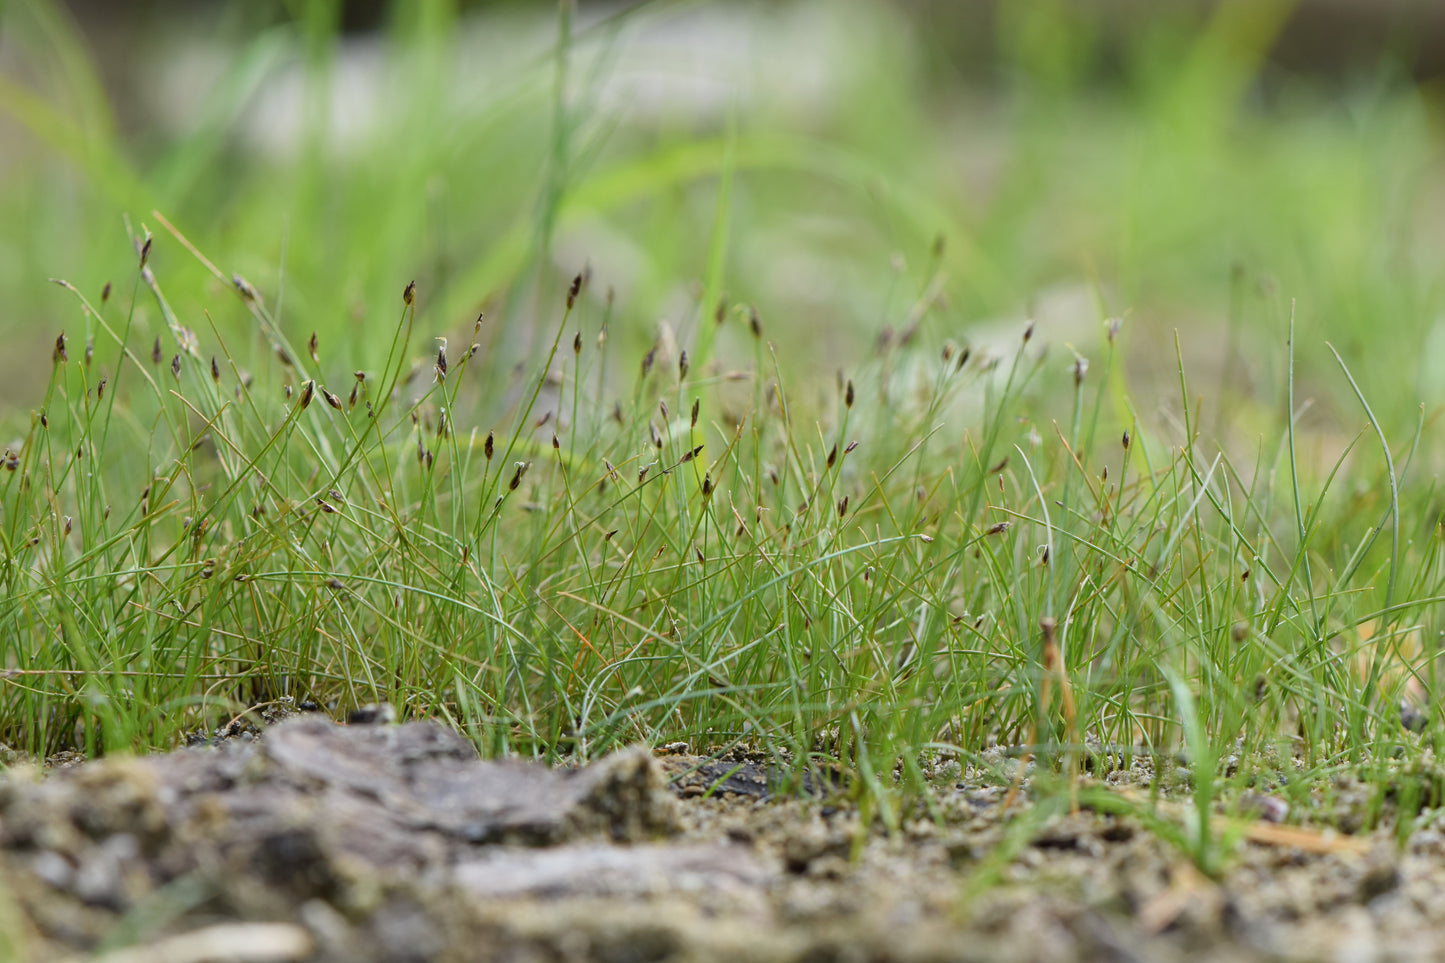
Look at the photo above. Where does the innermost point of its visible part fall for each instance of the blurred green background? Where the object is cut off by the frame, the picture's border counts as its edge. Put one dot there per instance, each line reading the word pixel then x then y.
pixel 1189 167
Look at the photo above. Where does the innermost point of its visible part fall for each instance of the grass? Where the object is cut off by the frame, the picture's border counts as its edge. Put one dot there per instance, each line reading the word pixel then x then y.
pixel 561 530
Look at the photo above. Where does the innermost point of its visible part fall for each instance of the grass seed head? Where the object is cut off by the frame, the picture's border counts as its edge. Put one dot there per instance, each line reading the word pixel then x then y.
pixel 489 446
pixel 576 344
pixel 105 293
pixel 573 291
pixel 89 350
pixel 176 366
pixel 755 323
pixel 833 455
pixel 647 361
pixel 696 407
pixel 331 399
pixel 156 355
pixel 682 365
pixel 311 349
pixel 843 506
pixel 517 476
pixel 246 289
pixel 145 249
pixel 58 356
pixel 408 296
pixel 848 394
pixel 215 370
pixel 307 391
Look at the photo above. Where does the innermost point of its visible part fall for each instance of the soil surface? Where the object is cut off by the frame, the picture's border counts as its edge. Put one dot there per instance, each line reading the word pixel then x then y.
pixel 318 841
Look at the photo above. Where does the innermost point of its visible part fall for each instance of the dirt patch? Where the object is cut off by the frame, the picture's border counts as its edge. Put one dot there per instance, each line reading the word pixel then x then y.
pixel 385 842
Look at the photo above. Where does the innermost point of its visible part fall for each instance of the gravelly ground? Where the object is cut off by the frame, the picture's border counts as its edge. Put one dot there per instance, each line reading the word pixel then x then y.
pixel 383 842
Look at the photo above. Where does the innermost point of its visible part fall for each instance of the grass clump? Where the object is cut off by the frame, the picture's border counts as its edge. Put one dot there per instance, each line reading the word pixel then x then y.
pixel 560 534
pixel 921 561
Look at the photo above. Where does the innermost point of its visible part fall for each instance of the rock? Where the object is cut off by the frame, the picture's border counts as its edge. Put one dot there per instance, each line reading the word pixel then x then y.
pixel 594 870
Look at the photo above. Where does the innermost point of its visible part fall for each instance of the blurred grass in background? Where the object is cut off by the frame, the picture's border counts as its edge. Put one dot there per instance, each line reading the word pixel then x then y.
pixel 874 188
pixel 1157 164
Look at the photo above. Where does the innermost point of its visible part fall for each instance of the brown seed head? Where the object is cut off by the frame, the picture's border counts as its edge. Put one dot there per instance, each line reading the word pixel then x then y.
pixel 58 356
pixel 245 289
pixel 307 391
pixel 409 295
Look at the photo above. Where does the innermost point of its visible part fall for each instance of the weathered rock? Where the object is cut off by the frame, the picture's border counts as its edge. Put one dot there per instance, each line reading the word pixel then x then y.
pixel 593 870
pixel 313 813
